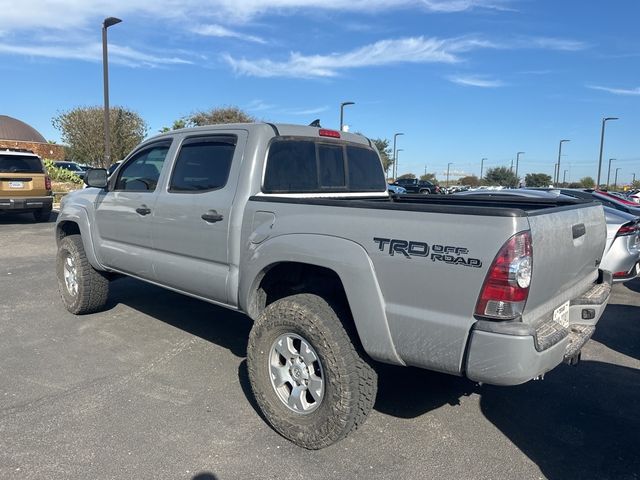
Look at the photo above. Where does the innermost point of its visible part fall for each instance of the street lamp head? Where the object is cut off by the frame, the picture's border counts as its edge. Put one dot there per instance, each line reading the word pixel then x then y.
pixel 397 134
pixel 610 118
pixel 565 140
pixel 347 103
pixel 110 21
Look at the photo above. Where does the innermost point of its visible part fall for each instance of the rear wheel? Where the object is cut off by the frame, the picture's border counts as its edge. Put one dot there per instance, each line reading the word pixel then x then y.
pixel 83 289
pixel 312 383
pixel 426 191
pixel 42 215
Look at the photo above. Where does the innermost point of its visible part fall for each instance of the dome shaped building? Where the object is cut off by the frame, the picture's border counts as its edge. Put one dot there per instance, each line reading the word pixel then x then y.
pixel 17 134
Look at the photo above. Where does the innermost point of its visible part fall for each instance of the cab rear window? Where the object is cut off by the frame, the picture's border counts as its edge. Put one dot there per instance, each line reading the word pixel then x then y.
pixel 309 166
pixel 20 164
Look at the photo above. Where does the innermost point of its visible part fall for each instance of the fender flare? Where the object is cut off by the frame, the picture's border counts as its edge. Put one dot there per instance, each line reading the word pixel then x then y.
pixel 349 261
pixel 79 215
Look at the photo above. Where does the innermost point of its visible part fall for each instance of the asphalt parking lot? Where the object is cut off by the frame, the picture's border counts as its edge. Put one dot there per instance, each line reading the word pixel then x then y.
pixel 156 387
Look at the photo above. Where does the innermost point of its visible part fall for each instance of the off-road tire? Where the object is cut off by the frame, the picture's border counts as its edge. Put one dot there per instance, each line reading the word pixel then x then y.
pixel 92 285
pixel 42 215
pixel 350 382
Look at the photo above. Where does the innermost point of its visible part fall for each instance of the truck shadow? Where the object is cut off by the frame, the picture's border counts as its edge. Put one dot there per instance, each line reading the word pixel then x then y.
pixel 214 324
pixel 619 329
pixel 578 423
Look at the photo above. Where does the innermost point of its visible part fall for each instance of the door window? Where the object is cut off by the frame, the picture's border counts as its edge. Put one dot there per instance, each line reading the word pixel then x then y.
pixel 141 173
pixel 203 164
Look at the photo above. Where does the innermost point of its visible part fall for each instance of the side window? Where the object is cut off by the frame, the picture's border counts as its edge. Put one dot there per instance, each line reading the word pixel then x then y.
pixel 141 173
pixel 203 164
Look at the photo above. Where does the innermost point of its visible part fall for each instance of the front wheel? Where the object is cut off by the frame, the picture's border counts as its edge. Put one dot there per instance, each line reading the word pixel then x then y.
pixel 425 192
pixel 311 382
pixel 83 289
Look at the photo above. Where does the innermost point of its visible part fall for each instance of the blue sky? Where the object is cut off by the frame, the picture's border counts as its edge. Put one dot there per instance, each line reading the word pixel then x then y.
pixel 463 79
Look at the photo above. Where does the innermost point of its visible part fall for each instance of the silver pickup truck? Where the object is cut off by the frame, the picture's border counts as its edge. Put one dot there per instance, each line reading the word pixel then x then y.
pixel 294 226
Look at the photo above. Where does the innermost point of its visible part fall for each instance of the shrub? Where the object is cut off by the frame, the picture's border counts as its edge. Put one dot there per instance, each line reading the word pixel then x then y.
pixel 58 174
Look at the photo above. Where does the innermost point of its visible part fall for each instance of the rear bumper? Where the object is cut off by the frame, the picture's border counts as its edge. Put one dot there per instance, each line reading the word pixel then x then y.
pixel 25 203
pixel 511 353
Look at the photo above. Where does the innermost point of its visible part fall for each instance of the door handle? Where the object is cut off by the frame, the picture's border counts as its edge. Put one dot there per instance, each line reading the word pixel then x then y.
pixel 143 210
pixel 211 216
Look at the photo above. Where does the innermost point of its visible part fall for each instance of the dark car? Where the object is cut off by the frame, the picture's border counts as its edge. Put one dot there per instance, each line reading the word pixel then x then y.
pixel 413 185
pixel 72 167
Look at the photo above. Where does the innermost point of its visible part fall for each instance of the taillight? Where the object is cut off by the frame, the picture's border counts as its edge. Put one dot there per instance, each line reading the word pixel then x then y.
pixel 47 182
pixel 627 229
pixel 324 132
pixel 506 287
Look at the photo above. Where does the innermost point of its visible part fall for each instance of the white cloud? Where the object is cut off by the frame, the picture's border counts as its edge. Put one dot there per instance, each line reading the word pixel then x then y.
pixel 383 52
pixel 616 91
pixel 306 111
pixel 65 14
pixel 214 30
pixel 92 52
pixel 549 43
pixel 476 81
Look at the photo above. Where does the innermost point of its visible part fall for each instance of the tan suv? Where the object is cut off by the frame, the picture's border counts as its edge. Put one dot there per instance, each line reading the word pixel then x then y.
pixel 24 184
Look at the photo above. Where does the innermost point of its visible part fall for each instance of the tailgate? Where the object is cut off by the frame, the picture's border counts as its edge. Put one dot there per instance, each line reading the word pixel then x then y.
pixel 568 244
pixel 22 185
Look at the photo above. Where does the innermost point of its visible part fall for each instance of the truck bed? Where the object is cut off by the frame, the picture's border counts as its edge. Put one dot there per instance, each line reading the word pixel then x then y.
pixel 461 205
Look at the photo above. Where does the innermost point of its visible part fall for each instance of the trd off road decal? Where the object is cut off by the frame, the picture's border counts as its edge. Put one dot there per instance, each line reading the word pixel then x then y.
pixel 436 253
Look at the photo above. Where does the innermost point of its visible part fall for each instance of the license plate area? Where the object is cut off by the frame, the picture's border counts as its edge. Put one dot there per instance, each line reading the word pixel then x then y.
pixel 16 184
pixel 561 315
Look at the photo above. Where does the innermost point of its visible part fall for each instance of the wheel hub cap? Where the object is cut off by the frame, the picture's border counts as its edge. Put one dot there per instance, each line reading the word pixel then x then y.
pixel 296 373
pixel 70 274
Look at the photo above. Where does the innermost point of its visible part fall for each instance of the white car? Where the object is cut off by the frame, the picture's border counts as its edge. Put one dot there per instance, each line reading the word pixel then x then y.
pixel 622 251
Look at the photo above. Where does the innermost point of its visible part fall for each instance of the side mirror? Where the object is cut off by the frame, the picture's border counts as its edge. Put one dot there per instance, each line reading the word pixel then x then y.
pixel 96 177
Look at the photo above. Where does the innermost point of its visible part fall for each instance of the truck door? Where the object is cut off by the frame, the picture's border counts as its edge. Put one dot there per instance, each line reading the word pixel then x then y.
pixel 123 213
pixel 191 219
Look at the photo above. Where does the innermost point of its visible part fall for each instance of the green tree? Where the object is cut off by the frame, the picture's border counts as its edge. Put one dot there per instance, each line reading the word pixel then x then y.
pixel 406 175
pixel 177 125
pixel 587 182
pixel 217 115
pixel 501 176
pixel 82 130
pixel 429 177
pixel 636 184
pixel 537 180
pixel 470 180
pixel 382 144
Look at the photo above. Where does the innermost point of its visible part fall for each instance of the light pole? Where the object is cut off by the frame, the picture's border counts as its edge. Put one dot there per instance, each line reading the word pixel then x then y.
pixel 557 170
pixel 634 179
pixel 481 167
pixel 564 177
pixel 615 180
pixel 396 161
pixel 518 161
pixel 448 166
pixel 342 105
pixel 609 171
pixel 108 22
pixel 395 168
pixel 604 121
